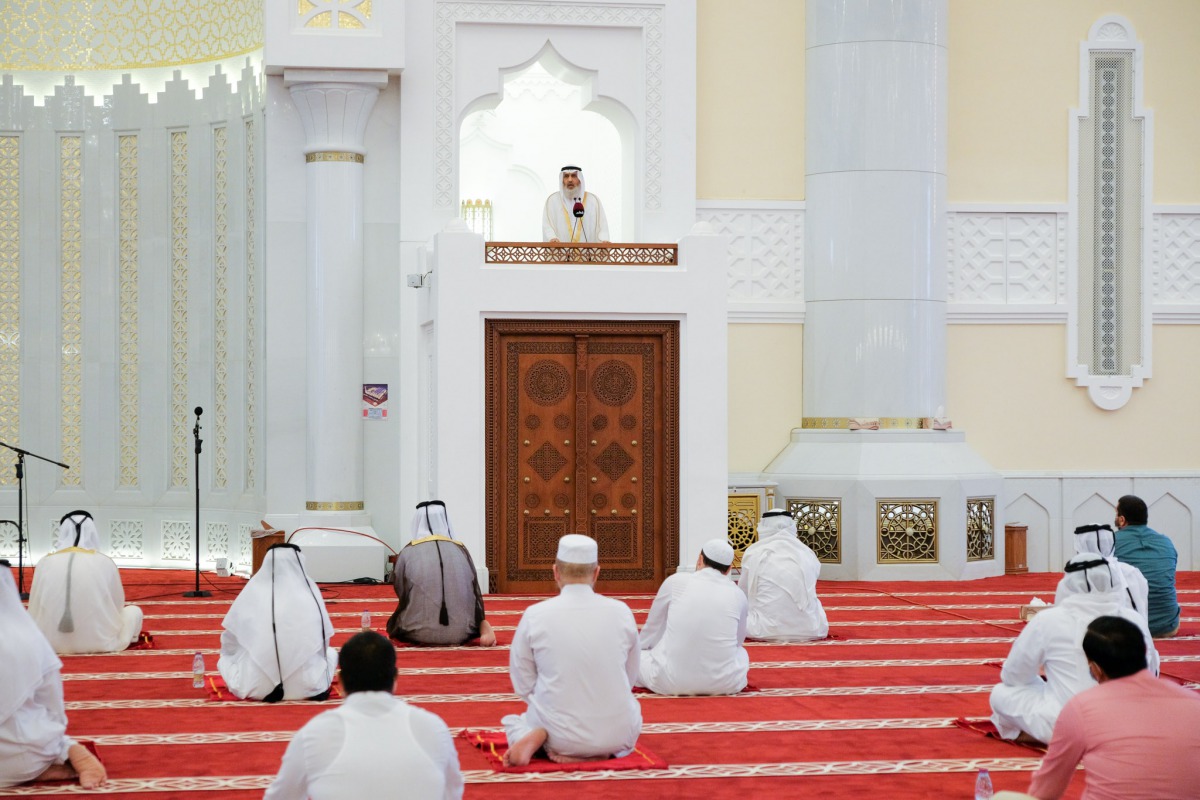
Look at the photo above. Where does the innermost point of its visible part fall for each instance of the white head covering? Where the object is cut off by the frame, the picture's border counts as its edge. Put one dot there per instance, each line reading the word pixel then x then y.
pixel 776 522
pixel 26 655
pixel 280 593
pixel 719 550
pixel 575 548
pixel 1089 573
pixel 430 519
pixel 1095 539
pixel 569 198
pixel 77 525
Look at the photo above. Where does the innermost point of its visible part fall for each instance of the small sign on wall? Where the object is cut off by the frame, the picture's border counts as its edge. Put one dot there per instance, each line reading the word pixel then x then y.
pixel 375 397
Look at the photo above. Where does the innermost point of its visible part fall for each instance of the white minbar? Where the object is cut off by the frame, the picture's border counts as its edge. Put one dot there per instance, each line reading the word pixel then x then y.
pixel 875 304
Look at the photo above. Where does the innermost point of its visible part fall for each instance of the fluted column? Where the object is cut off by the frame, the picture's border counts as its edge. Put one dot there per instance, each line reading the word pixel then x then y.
pixel 875 190
pixel 334 114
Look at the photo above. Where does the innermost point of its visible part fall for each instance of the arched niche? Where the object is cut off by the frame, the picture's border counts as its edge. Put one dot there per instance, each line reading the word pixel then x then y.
pixel 546 113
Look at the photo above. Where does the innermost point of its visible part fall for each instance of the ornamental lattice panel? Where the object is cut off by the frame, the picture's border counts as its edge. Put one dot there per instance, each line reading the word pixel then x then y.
pixel 981 528
pixel 819 525
pixel 907 531
pixel 742 529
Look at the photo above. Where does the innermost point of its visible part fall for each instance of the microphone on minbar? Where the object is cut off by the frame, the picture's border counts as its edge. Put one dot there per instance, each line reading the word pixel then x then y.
pixel 199 411
pixel 578 209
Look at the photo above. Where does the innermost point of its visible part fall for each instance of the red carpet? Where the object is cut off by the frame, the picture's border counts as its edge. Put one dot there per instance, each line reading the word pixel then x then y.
pixel 494 744
pixel 868 712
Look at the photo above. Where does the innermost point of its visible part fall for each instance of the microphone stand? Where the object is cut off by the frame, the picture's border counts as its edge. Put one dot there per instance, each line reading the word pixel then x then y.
pixel 20 467
pixel 197 592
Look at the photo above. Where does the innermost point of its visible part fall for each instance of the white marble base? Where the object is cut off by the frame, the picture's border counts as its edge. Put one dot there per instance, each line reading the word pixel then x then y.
pixel 860 467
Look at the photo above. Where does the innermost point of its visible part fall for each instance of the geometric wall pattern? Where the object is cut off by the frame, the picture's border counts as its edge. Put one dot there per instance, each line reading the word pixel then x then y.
pixel 177 542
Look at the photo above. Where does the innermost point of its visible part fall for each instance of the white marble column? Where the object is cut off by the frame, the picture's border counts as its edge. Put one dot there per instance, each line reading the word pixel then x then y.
pixel 334 108
pixel 875 189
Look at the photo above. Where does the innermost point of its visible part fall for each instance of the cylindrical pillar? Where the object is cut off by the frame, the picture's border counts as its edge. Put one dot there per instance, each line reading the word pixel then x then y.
pixel 334 115
pixel 875 192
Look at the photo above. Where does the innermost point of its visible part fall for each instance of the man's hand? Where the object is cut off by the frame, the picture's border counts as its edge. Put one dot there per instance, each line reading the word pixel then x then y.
pixel 487 637
pixel 553 239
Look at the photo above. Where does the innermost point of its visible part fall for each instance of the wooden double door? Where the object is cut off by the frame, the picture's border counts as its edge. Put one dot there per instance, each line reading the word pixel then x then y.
pixel 582 437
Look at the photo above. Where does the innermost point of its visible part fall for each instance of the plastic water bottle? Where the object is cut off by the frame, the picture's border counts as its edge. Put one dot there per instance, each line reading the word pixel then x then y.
pixel 983 786
pixel 198 670
pixel 366 620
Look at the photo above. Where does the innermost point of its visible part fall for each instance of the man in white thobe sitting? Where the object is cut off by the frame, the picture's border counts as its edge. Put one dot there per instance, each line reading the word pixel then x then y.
pixel 33 721
pixel 573 660
pixel 1127 579
pixel 779 577
pixel 77 599
pixel 275 645
pixel 1024 705
pixel 693 636
pixel 374 745
pixel 573 214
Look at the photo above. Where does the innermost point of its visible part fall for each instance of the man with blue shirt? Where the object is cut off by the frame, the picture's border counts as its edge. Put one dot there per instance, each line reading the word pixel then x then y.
pixel 1155 556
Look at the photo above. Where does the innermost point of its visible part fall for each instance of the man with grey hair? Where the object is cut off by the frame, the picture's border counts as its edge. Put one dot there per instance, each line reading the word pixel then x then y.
pixel 692 640
pixel 573 214
pixel 573 661
pixel 779 577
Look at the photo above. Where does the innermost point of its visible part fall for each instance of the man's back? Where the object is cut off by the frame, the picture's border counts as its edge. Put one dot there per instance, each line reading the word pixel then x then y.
pixel 574 659
pixel 424 570
pixel 1155 557
pixel 1138 738
pixel 779 577
pixel 77 601
pixel 695 631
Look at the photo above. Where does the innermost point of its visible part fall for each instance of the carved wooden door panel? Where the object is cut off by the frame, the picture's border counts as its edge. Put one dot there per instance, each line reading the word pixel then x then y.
pixel 582 438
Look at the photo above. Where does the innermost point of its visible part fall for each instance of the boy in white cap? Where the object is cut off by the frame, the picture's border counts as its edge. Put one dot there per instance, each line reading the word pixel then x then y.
pixel 573 661
pixel 692 639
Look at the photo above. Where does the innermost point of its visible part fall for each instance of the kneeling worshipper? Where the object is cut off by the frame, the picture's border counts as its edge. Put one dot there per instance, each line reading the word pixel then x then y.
pixel 34 745
pixel 1024 706
pixel 573 660
pixel 77 599
pixel 779 577
pixel 275 645
pixel 438 590
pixel 1127 579
pixel 372 746
pixel 693 636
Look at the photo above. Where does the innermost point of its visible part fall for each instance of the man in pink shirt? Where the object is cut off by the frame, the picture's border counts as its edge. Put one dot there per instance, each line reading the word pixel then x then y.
pixel 1138 736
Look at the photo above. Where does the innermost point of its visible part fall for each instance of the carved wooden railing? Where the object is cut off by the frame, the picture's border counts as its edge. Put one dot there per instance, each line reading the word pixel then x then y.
pixel 572 253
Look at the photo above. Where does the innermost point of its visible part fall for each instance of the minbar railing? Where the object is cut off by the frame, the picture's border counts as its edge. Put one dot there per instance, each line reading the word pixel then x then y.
pixel 577 253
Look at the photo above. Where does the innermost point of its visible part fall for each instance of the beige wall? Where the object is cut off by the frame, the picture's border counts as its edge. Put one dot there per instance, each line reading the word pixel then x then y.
pixel 1014 74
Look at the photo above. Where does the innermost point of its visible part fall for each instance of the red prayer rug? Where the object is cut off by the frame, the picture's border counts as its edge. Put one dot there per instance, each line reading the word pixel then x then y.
pixel 494 745
pixel 145 641
pixel 219 692
pixel 986 727
pixel 749 688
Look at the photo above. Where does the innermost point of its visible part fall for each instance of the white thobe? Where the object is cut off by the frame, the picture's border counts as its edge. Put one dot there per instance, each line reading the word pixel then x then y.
pixel 779 577
pixel 261 648
pixel 373 745
pixel 33 720
pixel 559 222
pixel 1052 643
pixel 78 603
pixel 573 661
pixel 1127 577
pixel 692 639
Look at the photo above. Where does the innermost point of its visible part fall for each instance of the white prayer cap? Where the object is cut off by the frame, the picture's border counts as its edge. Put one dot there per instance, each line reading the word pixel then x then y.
pixel 575 548
pixel 774 522
pixel 719 551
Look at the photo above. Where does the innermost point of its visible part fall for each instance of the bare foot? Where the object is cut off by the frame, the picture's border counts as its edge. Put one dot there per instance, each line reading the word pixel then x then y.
pixel 559 758
pixel 91 771
pixel 520 753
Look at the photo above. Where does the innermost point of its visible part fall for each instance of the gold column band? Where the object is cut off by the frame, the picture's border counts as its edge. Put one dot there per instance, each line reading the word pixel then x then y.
pixel 345 505
pixel 334 156
pixel 843 423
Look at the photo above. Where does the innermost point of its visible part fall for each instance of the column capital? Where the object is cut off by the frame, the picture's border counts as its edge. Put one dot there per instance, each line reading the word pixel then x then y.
pixel 334 106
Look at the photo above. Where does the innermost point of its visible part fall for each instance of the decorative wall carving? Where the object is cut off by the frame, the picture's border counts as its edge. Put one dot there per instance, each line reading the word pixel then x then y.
pixel 10 296
pixel 8 540
pixel 250 341
pixel 742 529
pixel 126 539
pixel 70 230
pixel 346 15
pixel 128 245
pixel 766 252
pixel 907 531
pixel 1000 257
pixel 818 525
pixel 981 529
pixel 180 407
pixel 243 546
pixel 216 539
pixel 220 422
pixel 177 542
pixel 1176 258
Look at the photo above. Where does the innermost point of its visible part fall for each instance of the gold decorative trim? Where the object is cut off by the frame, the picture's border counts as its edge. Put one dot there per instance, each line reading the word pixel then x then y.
pixel 742 527
pixel 10 294
pixel 844 423
pixel 577 253
pixel 338 505
pixel 907 531
pixel 127 251
pixel 71 250
pixel 334 156
pixel 181 409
